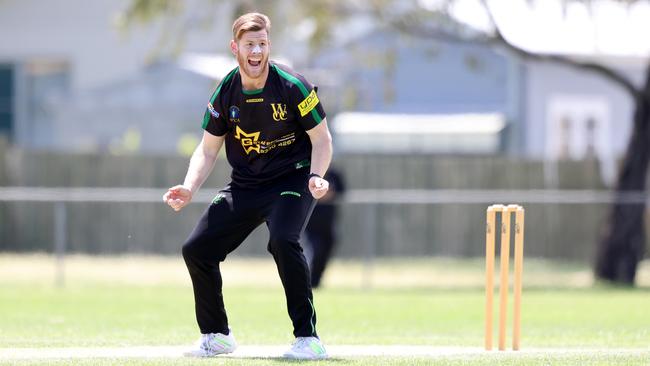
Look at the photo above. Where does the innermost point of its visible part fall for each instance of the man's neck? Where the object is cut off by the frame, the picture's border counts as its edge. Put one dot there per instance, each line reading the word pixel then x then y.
pixel 254 84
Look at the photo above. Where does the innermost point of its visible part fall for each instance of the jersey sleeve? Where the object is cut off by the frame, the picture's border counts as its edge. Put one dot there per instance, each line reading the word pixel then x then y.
pixel 215 117
pixel 214 120
pixel 310 111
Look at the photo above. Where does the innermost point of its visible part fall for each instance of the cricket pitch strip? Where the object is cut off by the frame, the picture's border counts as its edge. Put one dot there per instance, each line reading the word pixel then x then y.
pixel 334 351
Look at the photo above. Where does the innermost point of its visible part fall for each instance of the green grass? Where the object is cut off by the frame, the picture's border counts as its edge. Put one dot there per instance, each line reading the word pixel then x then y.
pixel 35 313
pixel 129 316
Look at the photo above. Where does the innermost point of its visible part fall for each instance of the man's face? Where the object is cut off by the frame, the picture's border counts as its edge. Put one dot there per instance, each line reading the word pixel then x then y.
pixel 252 52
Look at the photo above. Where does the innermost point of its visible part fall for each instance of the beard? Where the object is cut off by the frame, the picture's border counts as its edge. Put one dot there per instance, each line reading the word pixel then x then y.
pixel 253 72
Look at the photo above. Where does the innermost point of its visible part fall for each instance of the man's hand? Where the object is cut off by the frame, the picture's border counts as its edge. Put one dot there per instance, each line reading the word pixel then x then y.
pixel 318 186
pixel 177 197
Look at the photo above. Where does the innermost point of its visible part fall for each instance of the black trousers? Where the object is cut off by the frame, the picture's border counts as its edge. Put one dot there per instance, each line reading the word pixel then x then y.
pixel 285 207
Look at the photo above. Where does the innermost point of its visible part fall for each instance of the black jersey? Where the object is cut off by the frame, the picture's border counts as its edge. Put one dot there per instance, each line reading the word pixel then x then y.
pixel 265 128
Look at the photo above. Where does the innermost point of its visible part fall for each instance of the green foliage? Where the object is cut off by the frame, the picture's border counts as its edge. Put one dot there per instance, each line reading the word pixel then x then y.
pixel 177 16
pixel 436 19
pixel 147 10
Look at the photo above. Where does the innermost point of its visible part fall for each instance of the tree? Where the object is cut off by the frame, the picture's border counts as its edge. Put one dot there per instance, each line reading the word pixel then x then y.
pixel 179 17
pixel 622 244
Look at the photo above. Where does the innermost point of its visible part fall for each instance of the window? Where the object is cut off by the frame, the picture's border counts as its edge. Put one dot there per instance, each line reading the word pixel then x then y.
pixel 6 100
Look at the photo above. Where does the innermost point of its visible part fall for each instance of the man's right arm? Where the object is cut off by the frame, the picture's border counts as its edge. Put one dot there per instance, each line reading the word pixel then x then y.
pixel 201 165
pixel 202 161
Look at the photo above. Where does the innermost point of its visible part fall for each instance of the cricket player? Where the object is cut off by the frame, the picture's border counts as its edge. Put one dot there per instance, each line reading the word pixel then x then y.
pixel 279 146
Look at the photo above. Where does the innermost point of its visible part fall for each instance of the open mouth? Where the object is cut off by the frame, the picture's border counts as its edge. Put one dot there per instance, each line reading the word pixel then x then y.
pixel 254 63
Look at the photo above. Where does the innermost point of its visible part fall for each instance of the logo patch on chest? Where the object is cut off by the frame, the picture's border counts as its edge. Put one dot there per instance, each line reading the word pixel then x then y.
pixel 233 113
pixel 250 141
pixel 279 111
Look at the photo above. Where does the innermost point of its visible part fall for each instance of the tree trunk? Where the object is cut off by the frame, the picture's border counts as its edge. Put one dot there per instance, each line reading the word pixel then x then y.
pixel 622 245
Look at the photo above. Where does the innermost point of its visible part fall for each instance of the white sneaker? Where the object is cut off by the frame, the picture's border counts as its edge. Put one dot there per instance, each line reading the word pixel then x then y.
pixel 213 344
pixel 306 348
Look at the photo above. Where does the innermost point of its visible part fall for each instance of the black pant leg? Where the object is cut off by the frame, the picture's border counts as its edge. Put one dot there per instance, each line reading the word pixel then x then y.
pixel 221 229
pixel 290 208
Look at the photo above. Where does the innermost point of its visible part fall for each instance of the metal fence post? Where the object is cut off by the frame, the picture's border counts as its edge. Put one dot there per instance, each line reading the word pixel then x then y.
pixel 60 225
pixel 370 247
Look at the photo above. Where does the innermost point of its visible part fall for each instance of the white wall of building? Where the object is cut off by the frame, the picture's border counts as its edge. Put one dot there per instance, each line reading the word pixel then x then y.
pixel 547 82
pixel 84 34
pixel 560 101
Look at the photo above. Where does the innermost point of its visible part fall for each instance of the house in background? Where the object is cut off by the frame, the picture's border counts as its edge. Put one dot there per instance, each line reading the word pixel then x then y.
pixel 531 109
pixel 579 115
pixel 404 95
pixel 71 80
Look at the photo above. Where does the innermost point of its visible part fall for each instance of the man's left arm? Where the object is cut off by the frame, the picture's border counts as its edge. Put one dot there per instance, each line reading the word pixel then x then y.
pixel 321 156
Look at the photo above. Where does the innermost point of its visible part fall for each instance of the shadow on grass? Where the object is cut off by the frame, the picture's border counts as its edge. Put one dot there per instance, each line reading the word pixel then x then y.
pixel 290 360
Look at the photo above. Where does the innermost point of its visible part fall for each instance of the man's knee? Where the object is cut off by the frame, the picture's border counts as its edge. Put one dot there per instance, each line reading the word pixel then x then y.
pixel 282 243
pixel 205 249
pixel 190 250
pixel 199 247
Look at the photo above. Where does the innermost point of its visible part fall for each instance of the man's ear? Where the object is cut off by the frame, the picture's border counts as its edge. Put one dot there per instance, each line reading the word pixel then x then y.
pixel 233 47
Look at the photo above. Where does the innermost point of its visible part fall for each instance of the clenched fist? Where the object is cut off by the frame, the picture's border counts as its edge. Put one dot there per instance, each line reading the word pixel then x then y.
pixel 318 186
pixel 177 197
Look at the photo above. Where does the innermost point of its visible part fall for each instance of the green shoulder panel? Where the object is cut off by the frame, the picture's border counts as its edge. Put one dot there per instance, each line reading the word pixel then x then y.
pixel 206 115
pixel 301 86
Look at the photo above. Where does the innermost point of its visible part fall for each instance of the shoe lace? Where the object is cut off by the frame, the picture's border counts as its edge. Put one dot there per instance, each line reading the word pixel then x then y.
pixel 204 342
pixel 301 342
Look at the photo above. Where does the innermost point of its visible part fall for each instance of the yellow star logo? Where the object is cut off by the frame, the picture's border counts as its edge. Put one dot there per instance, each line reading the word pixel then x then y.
pixel 249 141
